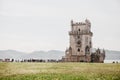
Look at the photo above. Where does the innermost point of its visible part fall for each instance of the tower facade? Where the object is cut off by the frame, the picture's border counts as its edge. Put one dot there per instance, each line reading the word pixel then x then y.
pixel 80 42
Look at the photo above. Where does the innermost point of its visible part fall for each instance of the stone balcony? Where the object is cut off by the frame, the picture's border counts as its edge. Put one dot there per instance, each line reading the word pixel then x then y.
pixel 80 33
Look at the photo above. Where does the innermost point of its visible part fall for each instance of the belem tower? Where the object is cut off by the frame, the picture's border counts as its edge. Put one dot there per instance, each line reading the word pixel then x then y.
pixel 80 48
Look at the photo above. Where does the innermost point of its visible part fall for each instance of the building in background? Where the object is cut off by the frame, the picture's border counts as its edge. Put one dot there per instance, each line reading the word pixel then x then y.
pixel 80 49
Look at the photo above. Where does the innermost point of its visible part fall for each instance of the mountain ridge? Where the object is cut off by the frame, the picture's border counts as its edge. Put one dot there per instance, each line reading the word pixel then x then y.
pixel 51 54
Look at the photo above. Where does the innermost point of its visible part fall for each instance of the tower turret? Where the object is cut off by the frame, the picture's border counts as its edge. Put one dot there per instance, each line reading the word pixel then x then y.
pixel 80 40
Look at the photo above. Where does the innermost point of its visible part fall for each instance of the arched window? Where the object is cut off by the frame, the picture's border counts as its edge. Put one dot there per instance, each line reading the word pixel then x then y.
pixel 78 50
pixel 87 50
pixel 90 44
pixel 78 42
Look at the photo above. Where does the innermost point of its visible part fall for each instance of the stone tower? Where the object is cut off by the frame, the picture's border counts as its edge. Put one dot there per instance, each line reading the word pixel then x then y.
pixel 80 42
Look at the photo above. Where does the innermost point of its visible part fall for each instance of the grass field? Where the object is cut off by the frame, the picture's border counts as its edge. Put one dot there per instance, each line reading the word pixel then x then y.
pixel 59 71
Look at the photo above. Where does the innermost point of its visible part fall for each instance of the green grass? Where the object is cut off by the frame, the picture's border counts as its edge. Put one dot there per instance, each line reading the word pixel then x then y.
pixel 59 71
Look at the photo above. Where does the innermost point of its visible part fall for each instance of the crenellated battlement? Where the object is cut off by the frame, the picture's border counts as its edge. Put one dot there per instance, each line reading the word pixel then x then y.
pixel 87 22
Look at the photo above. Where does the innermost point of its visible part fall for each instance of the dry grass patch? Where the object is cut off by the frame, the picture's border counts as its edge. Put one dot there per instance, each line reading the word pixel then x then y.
pixel 59 71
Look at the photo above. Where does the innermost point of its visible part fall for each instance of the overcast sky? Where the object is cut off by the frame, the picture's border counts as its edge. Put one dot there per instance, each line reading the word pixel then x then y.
pixel 29 25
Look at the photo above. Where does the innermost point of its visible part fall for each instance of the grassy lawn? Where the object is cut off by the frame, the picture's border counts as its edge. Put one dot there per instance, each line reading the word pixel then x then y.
pixel 59 71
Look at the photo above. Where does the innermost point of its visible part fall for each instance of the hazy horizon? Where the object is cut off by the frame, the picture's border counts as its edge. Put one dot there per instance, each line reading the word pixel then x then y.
pixel 51 50
pixel 33 25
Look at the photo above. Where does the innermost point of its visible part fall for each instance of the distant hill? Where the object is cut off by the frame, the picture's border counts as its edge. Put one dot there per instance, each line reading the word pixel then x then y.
pixel 10 54
pixel 112 55
pixel 52 54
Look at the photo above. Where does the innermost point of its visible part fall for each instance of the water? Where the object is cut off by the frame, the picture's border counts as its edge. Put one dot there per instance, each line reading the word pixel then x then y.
pixel 111 61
